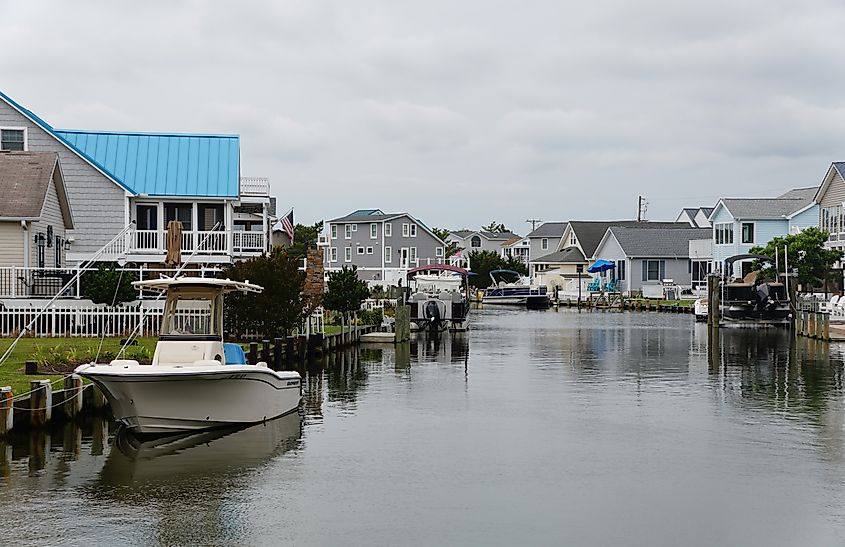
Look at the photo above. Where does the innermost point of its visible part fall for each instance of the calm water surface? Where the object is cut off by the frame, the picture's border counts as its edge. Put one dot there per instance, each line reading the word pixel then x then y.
pixel 536 428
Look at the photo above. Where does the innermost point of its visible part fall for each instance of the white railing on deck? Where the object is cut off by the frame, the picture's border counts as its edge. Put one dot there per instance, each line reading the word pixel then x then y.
pixel 248 241
pixel 212 242
pixel 255 186
pixel 147 240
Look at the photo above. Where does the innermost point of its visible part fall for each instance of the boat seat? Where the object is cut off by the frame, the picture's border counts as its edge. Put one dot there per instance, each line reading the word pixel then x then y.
pixel 234 354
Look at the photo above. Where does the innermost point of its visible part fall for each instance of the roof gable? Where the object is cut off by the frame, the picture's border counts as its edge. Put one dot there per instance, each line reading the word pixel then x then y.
pixel 24 182
pixel 589 233
pixel 549 229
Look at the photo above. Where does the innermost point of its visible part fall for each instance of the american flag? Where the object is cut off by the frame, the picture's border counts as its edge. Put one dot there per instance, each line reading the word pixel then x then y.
pixel 287 225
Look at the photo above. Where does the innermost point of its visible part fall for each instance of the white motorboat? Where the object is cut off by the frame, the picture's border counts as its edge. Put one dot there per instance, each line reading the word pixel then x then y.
pixel 194 381
pixel 438 298
pixel 701 309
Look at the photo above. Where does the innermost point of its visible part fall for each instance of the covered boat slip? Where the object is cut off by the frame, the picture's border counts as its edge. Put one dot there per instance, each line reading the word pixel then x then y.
pixel 439 298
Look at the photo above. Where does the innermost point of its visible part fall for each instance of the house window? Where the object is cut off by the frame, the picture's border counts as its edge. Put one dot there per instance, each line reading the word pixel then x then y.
pixel 438 252
pixel 388 254
pixel 748 232
pixel 475 242
pixel 413 254
pixel 544 244
pixel 40 241
pixel 654 270
pixel 413 230
pixel 373 231
pixel 369 250
pixel 333 254
pixel 572 240
pixel 13 139
pixel 620 270
pixel 360 250
pixel 347 231
pixel 334 231
pixel 388 229
pixel 347 254
pixel 210 215
pixel 724 233
pixel 406 230
pixel 354 227
pixel 146 217
pixel 181 212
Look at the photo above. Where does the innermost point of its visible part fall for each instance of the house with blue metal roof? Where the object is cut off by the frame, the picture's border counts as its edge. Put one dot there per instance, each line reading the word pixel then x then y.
pixel 143 181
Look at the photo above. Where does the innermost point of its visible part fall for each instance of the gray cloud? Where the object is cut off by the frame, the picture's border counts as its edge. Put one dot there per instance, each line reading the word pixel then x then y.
pixel 521 110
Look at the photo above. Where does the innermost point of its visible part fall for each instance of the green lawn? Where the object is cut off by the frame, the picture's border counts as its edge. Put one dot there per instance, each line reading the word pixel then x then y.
pixel 11 372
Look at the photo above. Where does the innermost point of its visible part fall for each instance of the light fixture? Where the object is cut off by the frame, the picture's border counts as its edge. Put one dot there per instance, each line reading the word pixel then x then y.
pixel 40 238
pixel 67 245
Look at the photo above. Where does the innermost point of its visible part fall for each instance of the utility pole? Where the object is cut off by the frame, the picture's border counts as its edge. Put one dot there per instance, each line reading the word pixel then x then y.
pixel 533 222
pixel 642 207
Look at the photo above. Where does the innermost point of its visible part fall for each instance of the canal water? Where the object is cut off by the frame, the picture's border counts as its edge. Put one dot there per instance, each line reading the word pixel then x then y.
pixel 536 428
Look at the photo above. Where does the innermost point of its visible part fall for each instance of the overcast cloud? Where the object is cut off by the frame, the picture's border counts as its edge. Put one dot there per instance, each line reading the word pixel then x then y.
pixel 458 112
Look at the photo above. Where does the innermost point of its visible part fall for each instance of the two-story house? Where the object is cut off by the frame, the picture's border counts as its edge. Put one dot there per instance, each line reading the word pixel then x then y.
pixel 738 224
pixel 545 238
pixel 480 240
pixel 382 245
pixel 134 183
pixel 830 199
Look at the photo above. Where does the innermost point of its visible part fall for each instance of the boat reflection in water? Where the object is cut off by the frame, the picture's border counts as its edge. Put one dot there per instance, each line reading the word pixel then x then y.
pixel 136 460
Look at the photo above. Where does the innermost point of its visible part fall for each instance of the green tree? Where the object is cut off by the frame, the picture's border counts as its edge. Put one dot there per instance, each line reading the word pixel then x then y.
pixel 482 263
pixel 280 308
pixel 108 285
pixel 304 238
pixel 495 227
pixel 515 264
pixel 345 291
pixel 451 246
pixel 805 251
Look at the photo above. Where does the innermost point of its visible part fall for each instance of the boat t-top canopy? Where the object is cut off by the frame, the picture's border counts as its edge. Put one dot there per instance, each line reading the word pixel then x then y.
pixel 731 259
pixel 222 285
pixel 438 268
pixel 492 272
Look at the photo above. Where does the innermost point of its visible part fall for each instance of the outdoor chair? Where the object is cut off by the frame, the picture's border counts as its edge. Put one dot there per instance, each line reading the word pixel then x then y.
pixel 830 306
pixel 595 285
pixel 612 286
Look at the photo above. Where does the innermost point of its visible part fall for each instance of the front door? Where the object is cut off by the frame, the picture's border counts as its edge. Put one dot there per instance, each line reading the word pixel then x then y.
pixel 404 257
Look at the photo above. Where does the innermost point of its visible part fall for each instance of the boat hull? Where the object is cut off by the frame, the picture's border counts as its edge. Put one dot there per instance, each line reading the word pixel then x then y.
pixel 169 401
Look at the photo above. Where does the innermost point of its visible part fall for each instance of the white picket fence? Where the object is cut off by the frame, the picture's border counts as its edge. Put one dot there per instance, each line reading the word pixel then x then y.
pixel 82 321
pixel 91 321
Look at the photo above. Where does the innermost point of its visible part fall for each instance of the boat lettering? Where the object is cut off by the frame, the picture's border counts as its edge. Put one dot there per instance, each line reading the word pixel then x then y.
pixel 293 383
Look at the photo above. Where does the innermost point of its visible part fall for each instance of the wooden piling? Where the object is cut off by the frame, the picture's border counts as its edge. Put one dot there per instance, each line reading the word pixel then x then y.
pixel 73 395
pixel 40 403
pixel 825 326
pixel 30 368
pixel 289 352
pixel 98 399
pixel 265 351
pixel 7 412
pixel 812 330
pixel 253 353
pixel 277 353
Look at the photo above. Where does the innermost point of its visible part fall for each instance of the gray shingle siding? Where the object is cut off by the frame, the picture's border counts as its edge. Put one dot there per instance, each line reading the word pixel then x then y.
pixel 97 203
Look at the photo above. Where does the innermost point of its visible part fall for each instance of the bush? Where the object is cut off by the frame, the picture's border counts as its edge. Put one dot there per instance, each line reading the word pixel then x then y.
pixel 371 317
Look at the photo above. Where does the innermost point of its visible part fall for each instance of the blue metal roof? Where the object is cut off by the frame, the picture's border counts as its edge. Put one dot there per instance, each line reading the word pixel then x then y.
pixel 164 164
pixel 156 164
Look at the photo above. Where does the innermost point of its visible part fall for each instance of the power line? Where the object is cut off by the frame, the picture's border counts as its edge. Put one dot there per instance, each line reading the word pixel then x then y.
pixel 533 222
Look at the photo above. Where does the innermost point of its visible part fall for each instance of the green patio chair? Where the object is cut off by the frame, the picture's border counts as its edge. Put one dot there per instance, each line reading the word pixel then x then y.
pixel 595 285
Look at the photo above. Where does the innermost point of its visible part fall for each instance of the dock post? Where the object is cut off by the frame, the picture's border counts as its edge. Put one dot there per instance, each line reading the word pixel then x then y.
pixel 403 323
pixel 40 402
pixel 7 412
pixel 253 353
pixel 289 350
pixel 813 320
pixel 277 353
pixel 30 368
pixel 73 395
pixel 265 351
pixel 98 398
pixel 825 326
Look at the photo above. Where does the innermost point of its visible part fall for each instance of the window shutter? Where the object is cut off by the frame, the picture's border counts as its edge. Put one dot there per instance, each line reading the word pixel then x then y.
pixel 645 270
pixel 662 269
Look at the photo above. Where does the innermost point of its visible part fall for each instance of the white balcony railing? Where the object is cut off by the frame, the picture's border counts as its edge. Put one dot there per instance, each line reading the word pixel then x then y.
pixel 250 242
pixel 255 186
pixel 206 242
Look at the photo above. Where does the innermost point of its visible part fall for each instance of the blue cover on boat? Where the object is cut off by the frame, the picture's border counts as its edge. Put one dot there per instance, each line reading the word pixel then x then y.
pixel 234 354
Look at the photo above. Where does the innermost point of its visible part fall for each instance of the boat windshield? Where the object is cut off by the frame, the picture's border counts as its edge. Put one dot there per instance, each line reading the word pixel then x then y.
pixel 192 313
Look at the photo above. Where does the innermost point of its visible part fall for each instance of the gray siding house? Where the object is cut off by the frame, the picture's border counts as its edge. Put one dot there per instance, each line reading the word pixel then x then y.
pixel 480 240
pixel 139 182
pixel 648 254
pixel 545 239
pixel 384 246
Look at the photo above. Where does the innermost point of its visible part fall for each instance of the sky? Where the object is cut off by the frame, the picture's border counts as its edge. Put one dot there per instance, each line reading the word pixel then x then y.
pixel 459 113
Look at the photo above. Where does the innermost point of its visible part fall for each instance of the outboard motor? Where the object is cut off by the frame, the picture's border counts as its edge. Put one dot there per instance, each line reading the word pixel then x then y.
pixel 432 314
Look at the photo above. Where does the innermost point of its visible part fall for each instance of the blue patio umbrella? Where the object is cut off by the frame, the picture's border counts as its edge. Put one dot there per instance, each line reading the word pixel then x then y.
pixel 601 266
